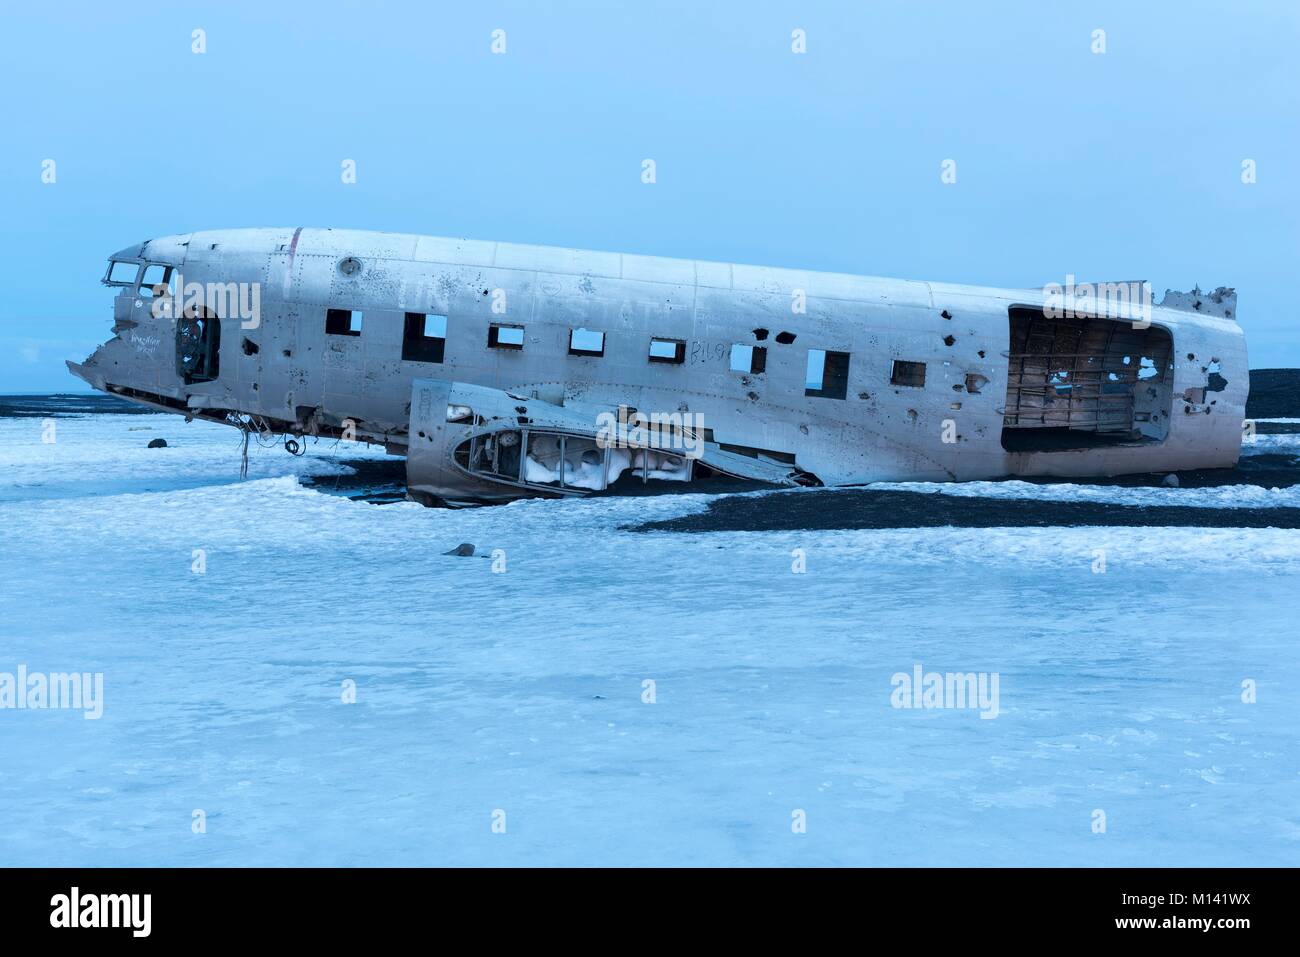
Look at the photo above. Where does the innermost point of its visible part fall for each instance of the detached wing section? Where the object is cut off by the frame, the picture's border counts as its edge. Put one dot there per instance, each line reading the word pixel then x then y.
pixel 472 443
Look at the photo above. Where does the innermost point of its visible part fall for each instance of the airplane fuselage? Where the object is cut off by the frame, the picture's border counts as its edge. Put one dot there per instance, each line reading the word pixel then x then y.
pixel 789 375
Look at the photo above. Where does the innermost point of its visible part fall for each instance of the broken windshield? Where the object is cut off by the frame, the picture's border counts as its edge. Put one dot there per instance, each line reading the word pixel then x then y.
pixel 121 273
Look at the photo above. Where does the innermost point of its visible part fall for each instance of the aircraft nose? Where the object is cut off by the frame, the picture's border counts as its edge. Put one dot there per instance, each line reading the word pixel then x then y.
pixel 87 375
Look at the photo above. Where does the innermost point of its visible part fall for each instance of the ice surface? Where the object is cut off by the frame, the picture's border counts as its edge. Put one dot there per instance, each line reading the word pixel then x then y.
pixel 1288 442
pixel 103 454
pixel 522 690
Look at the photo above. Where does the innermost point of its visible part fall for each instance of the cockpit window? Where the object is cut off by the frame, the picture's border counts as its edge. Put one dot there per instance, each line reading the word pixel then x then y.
pixel 122 273
pixel 155 276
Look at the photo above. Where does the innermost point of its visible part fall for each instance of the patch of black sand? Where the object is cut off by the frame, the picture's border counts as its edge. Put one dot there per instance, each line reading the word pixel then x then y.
pixel 829 509
pixel 1274 394
pixel 61 405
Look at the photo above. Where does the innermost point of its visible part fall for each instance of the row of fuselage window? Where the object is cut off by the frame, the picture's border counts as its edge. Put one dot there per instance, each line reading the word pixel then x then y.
pixel 424 339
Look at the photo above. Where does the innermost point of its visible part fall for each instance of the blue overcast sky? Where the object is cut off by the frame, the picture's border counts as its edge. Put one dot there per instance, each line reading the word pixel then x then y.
pixel 1118 166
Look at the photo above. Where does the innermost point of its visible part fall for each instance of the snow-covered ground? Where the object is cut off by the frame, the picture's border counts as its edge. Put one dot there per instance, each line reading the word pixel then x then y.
pixel 100 455
pixel 481 690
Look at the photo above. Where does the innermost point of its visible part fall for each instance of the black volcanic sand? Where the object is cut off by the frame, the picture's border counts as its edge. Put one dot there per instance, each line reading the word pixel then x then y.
pixel 1274 394
pixel 864 508
pixel 378 481
pixel 60 405
pixel 869 508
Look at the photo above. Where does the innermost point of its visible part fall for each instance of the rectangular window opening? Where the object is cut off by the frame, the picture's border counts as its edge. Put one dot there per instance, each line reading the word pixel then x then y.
pixel 828 374
pixel 122 273
pixel 505 337
pixel 343 322
pixel 424 337
pixel 586 342
pixel 748 359
pixel 668 350
pixel 156 280
pixel 908 373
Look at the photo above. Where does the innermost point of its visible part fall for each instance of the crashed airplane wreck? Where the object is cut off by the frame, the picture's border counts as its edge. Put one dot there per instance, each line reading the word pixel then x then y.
pixel 503 371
